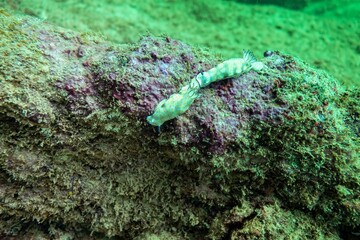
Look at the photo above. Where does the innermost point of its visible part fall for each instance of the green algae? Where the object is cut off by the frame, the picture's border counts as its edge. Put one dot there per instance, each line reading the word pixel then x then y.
pixel 269 222
pixel 78 159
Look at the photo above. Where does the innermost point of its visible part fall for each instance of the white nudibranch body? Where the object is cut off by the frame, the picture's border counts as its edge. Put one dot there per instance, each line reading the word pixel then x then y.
pixel 175 105
pixel 230 68
pixel 178 103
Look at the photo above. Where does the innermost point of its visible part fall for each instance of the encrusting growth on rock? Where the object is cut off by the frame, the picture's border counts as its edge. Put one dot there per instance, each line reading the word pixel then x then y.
pixel 279 145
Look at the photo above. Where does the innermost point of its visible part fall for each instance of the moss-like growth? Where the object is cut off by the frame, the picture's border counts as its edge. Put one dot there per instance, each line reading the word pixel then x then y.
pixel 78 158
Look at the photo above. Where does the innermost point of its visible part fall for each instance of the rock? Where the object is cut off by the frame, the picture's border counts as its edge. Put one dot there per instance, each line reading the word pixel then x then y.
pixel 78 157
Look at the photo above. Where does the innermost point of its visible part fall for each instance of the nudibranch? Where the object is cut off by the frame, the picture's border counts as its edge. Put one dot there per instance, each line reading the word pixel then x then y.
pixel 179 102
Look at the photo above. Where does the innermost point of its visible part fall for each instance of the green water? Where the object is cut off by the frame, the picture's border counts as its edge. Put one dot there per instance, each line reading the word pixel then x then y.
pixel 275 156
pixel 324 33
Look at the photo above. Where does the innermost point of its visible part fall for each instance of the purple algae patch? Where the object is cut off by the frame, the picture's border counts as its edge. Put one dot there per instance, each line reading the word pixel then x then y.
pixel 155 70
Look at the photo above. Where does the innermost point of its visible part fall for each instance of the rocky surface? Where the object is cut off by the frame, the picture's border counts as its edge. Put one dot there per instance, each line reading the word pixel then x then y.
pixel 260 156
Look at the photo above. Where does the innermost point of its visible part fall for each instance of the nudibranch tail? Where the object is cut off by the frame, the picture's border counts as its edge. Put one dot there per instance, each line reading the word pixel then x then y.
pixel 227 69
pixel 249 57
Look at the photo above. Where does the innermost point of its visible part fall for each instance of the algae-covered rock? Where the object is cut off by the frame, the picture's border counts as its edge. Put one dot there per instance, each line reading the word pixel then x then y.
pixel 79 160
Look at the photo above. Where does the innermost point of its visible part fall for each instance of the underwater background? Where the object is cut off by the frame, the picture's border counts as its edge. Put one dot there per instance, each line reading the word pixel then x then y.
pixel 264 155
pixel 325 33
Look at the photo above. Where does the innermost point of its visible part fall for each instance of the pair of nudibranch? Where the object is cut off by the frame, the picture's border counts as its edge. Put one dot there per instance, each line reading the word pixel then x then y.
pixel 179 102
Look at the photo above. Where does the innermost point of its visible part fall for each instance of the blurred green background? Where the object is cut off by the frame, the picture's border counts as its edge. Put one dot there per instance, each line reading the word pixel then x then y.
pixel 324 33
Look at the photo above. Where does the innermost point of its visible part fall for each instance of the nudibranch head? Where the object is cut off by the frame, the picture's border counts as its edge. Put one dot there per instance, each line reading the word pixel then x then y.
pixel 172 107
